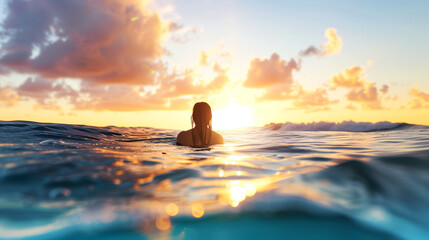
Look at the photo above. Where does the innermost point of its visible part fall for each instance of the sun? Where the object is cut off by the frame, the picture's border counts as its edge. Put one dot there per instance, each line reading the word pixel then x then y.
pixel 232 116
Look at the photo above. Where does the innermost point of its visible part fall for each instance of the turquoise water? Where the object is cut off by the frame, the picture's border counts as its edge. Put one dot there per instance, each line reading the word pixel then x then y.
pixel 283 181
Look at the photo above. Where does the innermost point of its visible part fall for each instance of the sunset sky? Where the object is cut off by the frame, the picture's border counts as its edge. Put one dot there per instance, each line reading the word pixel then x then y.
pixel 145 63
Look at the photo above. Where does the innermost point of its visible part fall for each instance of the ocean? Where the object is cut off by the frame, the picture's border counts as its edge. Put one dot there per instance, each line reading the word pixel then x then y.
pixel 320 180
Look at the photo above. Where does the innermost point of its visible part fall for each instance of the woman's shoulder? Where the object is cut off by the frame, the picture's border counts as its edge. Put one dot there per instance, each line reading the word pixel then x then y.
pixel 216 133
pixel 184 133
pixel 183 137
pixel 218 139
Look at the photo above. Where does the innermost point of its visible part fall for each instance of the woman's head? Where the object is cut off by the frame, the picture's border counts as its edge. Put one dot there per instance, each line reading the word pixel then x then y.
pixel 202 114
pixel 202 117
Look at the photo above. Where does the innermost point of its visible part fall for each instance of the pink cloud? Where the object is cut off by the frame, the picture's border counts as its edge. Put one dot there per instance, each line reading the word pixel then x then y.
pixel 46 92
pixel 118 98
pixel 366 95
pixel 267 72
pixel 275 76
pixel 99 41
pixel 112 48
pixel 182 84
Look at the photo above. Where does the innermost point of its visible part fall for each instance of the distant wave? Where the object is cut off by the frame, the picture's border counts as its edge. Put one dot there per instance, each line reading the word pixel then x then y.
pixel 347 126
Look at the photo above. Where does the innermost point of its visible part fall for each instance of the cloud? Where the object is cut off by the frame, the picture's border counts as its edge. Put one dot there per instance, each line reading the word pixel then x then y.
pixel 275 76
pixel 334 45
pixel 111 49
pixel 416 92
pixel 278 92
pixel 316 100
pixel 220 79
pixel 366 95
pixel 173 27
pixel 351 107
pixel 8 97
pixel 174 92
pixel 360 90
pixel 350 78
pixel 102 41
pixel 384 89
pixel 420 98
pixel 312 50
pixel 183 34
pixel 215 54
pixel 179 84
pixel 267 72
pixel 301 99
pixel 112 98
pixel 46 92
pixel 203 59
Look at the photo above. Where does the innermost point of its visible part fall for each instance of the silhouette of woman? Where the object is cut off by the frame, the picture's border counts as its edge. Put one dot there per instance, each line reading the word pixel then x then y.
pixel 202 134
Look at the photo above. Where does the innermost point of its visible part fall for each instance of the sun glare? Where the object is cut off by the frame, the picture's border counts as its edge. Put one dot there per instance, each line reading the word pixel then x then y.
pixel 232 116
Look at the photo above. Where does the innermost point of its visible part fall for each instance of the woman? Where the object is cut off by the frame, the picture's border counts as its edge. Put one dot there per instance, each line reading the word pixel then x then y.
pixel 202 134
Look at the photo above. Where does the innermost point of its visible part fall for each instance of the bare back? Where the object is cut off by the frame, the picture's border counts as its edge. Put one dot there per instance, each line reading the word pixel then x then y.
pixel 185 139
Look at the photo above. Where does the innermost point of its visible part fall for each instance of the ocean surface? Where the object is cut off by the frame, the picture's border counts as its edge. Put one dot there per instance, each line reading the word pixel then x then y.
pixel 283 181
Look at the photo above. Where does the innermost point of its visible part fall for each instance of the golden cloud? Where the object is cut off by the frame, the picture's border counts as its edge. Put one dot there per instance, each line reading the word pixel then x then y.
pixel 8 97
pixel 420 98
pixel 350 78
pixel 334 45
pixel 360 90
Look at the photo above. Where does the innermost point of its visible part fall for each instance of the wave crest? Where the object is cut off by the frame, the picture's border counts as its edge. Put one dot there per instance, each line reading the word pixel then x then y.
pixel 347 126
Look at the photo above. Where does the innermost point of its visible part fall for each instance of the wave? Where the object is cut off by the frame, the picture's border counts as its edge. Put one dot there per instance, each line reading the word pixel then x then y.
pixel 346 126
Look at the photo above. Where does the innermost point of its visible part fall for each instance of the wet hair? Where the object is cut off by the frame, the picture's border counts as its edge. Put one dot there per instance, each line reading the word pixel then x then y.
pixel 202 117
